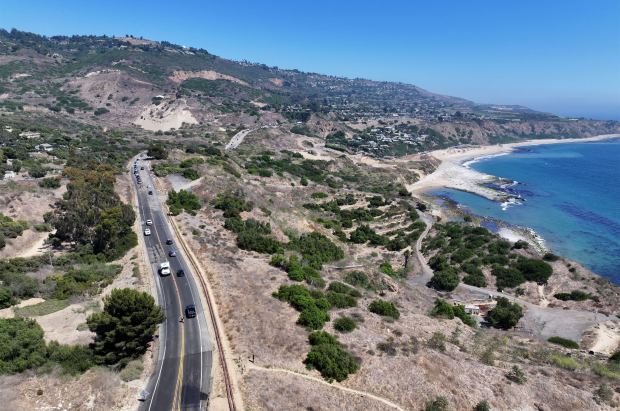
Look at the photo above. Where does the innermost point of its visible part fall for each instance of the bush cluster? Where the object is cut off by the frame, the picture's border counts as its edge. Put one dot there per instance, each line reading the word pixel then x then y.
pixel 183 200
pixel 575 295
pixel 24 348
pixel 465 249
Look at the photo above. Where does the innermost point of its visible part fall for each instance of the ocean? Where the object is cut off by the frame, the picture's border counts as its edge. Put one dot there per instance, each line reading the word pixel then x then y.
pixel 570 196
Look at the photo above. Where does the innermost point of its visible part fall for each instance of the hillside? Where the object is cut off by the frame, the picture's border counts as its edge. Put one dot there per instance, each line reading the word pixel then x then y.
pixel 160 86
pixel 337 285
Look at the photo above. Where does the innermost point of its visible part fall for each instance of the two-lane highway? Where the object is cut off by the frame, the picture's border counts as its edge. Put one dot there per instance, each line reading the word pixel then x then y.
pixel 182 377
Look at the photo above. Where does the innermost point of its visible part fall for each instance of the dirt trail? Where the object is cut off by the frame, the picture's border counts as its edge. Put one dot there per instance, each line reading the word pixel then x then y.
pixel 332 385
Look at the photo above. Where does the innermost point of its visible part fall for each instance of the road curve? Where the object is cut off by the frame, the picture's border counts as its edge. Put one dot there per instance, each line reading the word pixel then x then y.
pixel 182 376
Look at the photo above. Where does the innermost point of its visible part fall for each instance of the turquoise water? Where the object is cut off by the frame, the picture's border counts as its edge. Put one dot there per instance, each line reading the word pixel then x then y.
pixel 571 198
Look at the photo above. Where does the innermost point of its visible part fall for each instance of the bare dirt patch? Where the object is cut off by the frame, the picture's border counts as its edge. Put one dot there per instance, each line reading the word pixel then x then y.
pixel 180 76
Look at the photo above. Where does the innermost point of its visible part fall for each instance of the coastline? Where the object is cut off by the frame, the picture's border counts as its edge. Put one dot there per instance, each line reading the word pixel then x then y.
pixel 453 171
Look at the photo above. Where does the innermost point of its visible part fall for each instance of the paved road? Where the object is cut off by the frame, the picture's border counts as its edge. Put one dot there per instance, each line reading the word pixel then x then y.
pixel 543 322
pixel 182 376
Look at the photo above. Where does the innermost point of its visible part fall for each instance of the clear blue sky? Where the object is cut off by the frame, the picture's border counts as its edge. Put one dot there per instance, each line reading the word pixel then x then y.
pixel 552 55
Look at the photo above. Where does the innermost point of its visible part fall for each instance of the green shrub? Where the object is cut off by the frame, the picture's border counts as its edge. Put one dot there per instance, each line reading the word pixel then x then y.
pixel 564 362
pixel 84 279
pixel 445 280
pixel 339 300
pixel 73 359
pixel 534 270
pixel 505 314
pixel 438 404
pixel 507 277
pixel 6 297
pixel 329 358
pixel 564 342
pixel 575 295
pixel 442 308
pixel 384 308
pixel 100 111
pixel 313 318
pixel 482 406
pixel 22 345
pixel 550 257
pixel 50 182
pixel 357 278
pixel 386 268
pixel 319 195
pixel 339 287
pixel 183 200
pixel 344 324
pixel 316 249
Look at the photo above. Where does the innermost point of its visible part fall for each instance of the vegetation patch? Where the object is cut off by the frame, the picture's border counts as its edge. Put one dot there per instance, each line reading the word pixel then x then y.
pixel 10 228
pixel 505 314
pixel 446 310
pixel 183 200
pixel 345 324
pixel 564 342
pixel 43 308
pixel 384 308
pixel 463 251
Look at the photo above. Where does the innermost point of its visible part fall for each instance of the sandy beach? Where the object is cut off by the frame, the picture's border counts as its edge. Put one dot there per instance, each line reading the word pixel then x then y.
pixel 454 173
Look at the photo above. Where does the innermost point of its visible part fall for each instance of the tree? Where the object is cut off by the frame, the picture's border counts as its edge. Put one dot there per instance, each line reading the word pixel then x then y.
pixel 125 327
pixel 91 213
pixel 505 314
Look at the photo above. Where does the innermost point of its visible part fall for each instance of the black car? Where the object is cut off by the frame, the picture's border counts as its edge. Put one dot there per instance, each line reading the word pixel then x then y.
pixel 180 273
pixel 150 192
pixel 141 168
pixel 169 241
pixel 172 253
pixel 190 311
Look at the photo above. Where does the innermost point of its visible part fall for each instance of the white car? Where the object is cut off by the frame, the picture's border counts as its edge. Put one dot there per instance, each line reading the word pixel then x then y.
pixel 147 231
pixel 149 222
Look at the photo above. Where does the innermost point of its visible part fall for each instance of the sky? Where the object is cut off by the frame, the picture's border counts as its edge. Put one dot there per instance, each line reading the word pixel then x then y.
pixel 550 55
